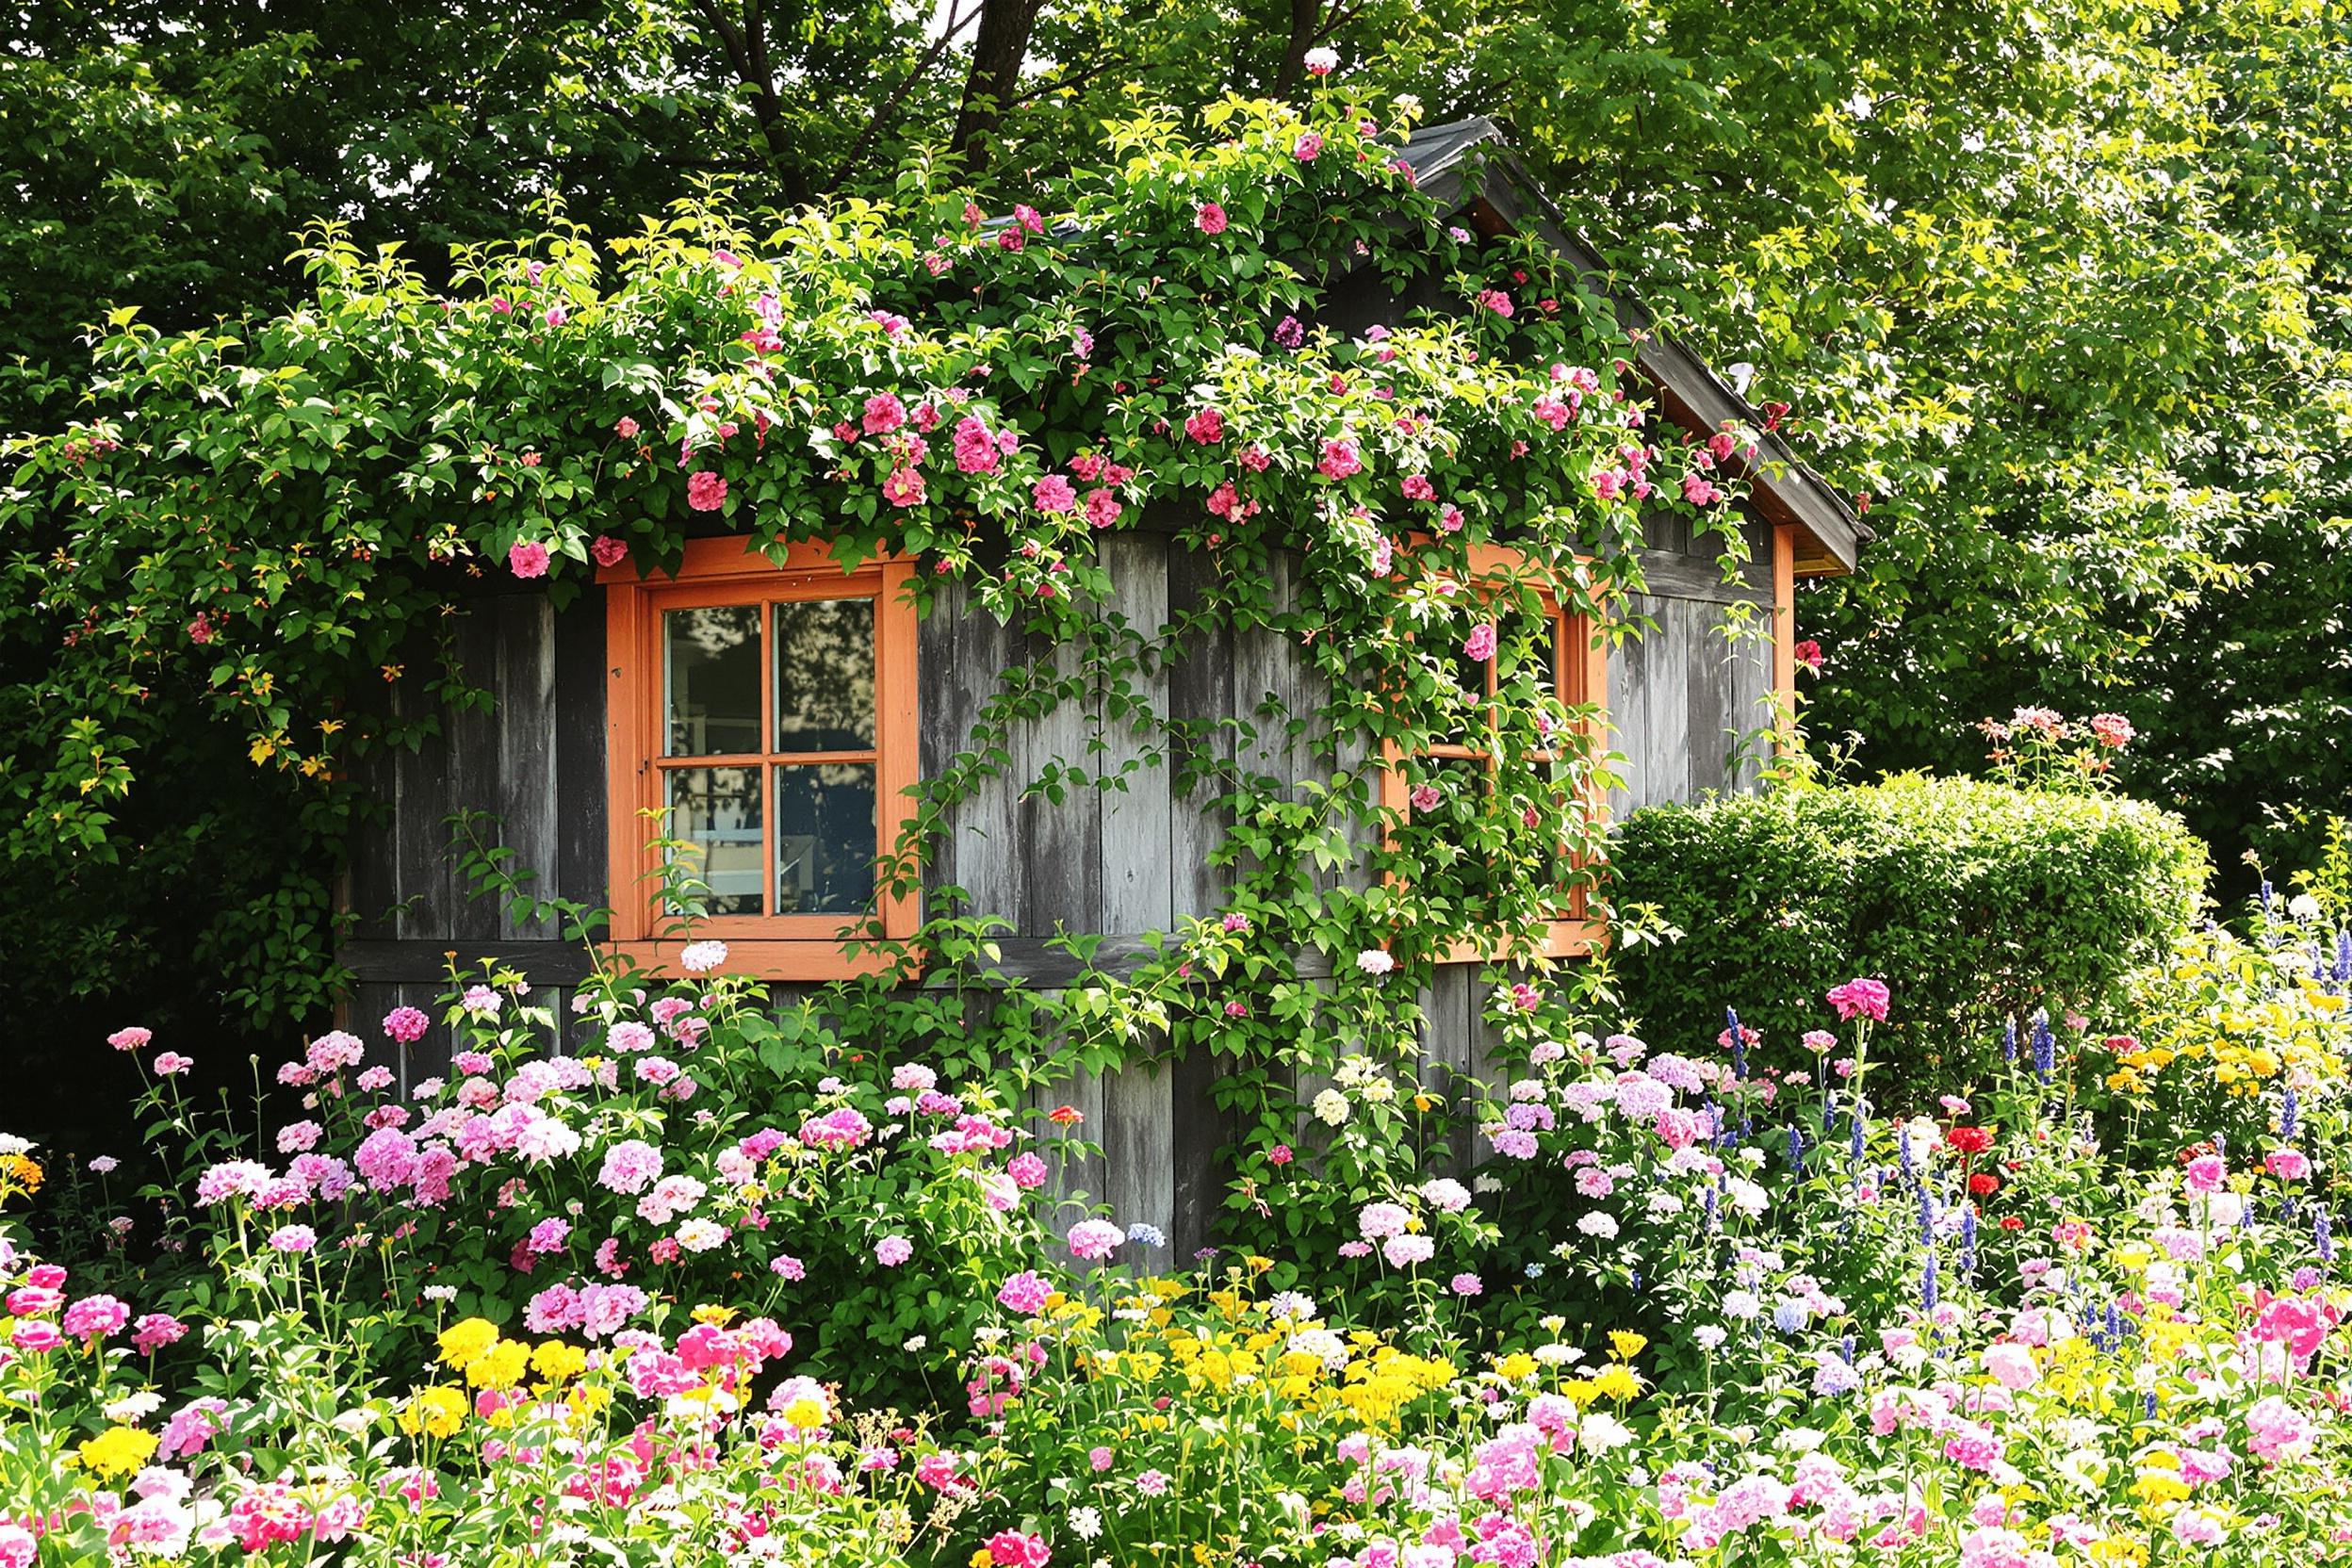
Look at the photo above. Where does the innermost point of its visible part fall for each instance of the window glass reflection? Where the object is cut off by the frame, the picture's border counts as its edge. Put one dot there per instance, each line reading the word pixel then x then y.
pixel 824 837
pixel 824 675
pixel 717 812
pixel 712 661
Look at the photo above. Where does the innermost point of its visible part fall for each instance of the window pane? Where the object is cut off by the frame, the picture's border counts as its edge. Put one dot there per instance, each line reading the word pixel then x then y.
pixel 717 811
pixel 714 680
pixel 824 675
pixel 824 837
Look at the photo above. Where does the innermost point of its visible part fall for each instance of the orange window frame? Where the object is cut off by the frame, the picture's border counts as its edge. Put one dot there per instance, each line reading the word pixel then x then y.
pixel 725 572
pixel 1581 680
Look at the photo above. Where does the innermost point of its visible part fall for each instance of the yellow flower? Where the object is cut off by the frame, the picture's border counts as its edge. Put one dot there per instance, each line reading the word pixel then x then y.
pixel 118 1450
pixel 713 1314
pixel 807 1412
pixel 435 1412
pixel 466 1342
pixel 556 1361
pixel 1516 1365
pixel 502 1366
pixel 1616 1381
pixel 1627 1344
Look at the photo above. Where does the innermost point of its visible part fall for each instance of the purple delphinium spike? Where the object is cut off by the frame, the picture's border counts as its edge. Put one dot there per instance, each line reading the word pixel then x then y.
pixel 1796 1148
pixel 2045 1047
pixel 2320 1234
pixel 1829 1113
pixel 2286 1116
pixel 1927 1282
pixel 2344 957
pixel 1902 1147
pixel 1927 1216
pixel 2009 1040
pixel 1861 1132
pixel 1738 1044
pixel 1967 1240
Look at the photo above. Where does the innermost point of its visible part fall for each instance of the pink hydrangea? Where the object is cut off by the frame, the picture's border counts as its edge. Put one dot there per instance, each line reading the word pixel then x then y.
pixel 1028 1170
pixel 1026 1293
pixel 2206 1174
pixel 1094 1239
pixel 630 1166
pixel 892 1251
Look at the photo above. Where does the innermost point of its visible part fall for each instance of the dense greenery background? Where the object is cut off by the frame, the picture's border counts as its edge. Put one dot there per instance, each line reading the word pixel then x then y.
pixel 2060 289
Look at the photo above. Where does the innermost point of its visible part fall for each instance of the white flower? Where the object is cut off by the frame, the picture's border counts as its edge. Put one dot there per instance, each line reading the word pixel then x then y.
pixel 104 1163
pixel 1321 62
pixel 133 1408
pixel 1380 1092
pixel 701 957
pixel 700 1235
pixel 1086 1523
pixel 1710 1336
pixel 1375 961
pixel 1597 1433
pixel 440 1293
pixel 2303 907
pixel 1556 1354
pixel 1331 1107
pixel 11 1144
pixel 1597 1224
pixel 1741 1304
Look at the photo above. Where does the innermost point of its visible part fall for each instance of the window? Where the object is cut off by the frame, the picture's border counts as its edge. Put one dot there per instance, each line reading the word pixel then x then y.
pixel 1579 676
pixel 771 711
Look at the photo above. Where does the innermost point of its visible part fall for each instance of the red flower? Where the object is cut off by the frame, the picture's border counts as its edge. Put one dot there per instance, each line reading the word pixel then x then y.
pixel 1808 653
pixel 1983 1183
pixel 1969 1140
pixel 1065 1116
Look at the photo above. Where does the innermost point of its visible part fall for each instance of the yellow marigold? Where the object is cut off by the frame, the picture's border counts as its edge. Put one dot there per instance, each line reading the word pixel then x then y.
pixel 466 1342
pixel 435 1412
pixel 556 1361
pixel 1617 1382
pixel 713 1314
pixel 118 1450
pixel 500 1366
pixel 21 1171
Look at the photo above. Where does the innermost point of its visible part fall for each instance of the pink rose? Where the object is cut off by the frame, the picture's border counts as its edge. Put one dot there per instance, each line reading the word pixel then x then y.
pixel 1479 645
pixel 706 491
pixel 1210 218
pixel 606 550
pixel 1308 147
pixel 528 557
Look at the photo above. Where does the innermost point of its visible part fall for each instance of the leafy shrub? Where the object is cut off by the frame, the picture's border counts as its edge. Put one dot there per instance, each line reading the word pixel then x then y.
pixel 1980 903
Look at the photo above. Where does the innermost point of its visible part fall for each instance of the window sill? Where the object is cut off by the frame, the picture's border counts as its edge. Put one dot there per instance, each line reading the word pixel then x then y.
pixel 1562 938
pixel 769 958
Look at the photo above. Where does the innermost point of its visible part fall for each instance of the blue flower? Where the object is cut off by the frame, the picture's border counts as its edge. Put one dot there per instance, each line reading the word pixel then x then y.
pixel 1146 1236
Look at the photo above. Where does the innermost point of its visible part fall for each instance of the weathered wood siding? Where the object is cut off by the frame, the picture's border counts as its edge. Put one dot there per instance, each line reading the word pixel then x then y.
pixel 1127 860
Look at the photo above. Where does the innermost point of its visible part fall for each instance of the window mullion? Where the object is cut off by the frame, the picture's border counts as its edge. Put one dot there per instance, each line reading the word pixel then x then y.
pixel 769 720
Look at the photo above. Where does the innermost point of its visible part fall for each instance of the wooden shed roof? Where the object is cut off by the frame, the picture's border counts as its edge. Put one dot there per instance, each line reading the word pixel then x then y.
pixel 1466 167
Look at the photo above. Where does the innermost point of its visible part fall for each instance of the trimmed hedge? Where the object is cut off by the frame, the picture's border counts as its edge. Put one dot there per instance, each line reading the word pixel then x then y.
pixel 1975 902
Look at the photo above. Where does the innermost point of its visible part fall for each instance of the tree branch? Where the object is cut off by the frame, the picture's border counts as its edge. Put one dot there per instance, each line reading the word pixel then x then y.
pixel 956 23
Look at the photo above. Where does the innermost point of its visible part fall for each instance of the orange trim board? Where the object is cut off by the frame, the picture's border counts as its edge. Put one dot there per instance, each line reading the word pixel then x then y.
pixel 734 571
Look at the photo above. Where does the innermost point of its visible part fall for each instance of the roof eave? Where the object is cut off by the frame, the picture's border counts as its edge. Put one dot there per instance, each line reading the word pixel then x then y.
pixel 1501 196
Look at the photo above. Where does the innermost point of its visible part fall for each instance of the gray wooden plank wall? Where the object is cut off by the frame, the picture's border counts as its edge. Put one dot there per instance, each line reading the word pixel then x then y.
pixel 1119 860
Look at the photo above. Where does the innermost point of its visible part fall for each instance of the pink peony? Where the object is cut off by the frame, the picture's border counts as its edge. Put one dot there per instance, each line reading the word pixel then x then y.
pixel 706 491
pixel 884 413
pixel 1053 494
pixel 1860 999
pixel 1210 218
pixel 606 550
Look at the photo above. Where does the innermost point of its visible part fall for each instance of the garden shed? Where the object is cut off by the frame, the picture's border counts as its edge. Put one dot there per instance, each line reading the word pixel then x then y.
pixel 780 710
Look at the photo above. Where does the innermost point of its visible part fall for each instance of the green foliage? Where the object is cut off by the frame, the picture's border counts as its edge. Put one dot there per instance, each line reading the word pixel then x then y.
pixel 1979 904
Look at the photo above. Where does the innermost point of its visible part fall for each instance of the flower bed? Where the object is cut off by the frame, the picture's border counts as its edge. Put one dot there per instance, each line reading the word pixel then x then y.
pixel 687 1297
